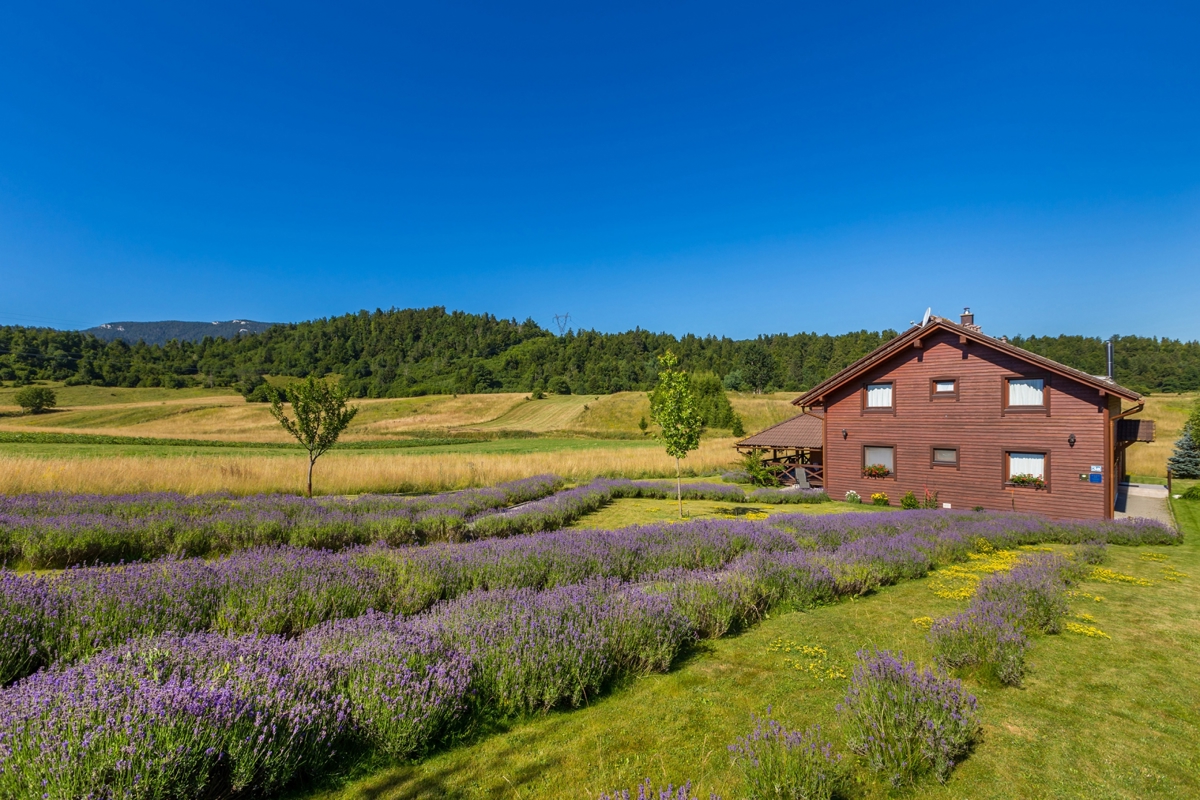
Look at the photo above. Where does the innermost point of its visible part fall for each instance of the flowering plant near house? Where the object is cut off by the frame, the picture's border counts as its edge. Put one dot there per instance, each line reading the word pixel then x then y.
pixel 1025 479
pixel 876 471
pixel 853 497
pixel 880 499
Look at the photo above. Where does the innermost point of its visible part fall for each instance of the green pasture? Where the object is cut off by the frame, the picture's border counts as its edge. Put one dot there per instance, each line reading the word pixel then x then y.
pixel 1096 718
pixel 108 395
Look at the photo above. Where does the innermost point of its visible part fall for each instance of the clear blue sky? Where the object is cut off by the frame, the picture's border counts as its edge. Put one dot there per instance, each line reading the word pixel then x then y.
pixel 729 168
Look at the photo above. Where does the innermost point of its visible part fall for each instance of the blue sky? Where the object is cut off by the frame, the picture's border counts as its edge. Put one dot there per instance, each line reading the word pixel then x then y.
pixel 728 169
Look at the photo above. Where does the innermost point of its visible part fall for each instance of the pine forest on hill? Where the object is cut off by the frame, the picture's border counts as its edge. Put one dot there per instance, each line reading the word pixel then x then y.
pixel 398 353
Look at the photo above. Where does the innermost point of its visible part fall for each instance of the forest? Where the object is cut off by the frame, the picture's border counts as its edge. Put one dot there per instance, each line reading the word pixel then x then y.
pixel 407 352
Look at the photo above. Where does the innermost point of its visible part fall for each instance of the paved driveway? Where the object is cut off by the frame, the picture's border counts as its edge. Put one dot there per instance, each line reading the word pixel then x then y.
pixel 1144 500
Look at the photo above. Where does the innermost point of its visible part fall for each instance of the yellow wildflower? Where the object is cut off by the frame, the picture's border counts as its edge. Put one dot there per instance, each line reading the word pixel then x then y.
pixel 1086 630
pixel 1106 575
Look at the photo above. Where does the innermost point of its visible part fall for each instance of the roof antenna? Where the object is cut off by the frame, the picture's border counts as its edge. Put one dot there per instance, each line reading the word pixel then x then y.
pixel 562 320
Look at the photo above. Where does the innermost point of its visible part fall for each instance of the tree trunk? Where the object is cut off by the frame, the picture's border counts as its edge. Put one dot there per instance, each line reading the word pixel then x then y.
pixel 679 488
pixel 311 461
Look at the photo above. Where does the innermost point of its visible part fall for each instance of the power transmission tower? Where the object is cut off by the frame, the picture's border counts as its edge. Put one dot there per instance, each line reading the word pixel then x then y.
pixel 562 320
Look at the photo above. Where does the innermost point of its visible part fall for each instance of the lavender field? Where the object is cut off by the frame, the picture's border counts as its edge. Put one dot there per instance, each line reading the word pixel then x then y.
pixel 56 530
pixel 245 673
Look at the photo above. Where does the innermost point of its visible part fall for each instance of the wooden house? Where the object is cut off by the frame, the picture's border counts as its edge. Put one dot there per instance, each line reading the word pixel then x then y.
pixel 945 410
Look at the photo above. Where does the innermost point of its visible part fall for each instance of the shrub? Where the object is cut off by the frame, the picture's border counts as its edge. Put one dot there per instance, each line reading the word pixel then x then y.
pixel 1091 553
pixel 909 501
pixel 984 636
pixel 907 722
pixel 930 501
pixel 778 763
pixel 736 476
pixel 538 394
pixel 1035 589
pixel 853 497
pixel 559 385
pixel 880 499
pixel 1192 493
pixel 36 399
pixel 760 474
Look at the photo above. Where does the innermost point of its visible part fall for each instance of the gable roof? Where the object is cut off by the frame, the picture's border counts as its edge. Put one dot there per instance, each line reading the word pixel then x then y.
pixel 906 339
pixel 801 432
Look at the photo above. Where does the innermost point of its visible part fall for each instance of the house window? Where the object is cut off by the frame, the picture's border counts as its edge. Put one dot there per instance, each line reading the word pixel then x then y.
pixel 1026 392
pixel 943 388
pixel 879 395
pixel 945 457
pixel 1027 469
pixel 876 456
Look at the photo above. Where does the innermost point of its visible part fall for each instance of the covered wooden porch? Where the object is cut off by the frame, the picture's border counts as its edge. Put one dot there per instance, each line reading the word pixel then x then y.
pixel 792 449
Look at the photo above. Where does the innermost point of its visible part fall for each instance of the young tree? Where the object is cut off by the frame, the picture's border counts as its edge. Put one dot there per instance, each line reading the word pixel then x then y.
pixel 321 416
pixel 36 399
pixel 673 409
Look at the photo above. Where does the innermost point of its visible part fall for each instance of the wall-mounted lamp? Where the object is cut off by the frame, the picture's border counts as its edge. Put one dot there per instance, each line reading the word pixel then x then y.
pixel 1071 440
pixel 844 434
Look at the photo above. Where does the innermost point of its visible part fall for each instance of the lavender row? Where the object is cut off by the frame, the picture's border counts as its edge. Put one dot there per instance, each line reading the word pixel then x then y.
pixel 58 530
pixel 65 617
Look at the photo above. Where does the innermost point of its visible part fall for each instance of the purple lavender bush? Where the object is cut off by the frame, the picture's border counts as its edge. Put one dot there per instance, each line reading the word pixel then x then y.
pixel 795 765
pixel 405 687
pixel 190 716
pixel 906 722
pixel 986 637
pixel 647 791
pixel 1035 589
pixel 788 496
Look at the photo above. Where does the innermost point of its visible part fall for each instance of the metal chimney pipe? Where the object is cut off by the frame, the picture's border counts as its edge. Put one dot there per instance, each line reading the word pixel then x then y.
pixel 1108 350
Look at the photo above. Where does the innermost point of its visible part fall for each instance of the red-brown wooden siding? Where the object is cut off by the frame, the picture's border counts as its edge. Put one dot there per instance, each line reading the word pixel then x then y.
pixel 975 424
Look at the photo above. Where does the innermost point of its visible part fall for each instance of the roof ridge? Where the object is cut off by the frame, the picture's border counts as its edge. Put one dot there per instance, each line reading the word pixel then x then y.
pixel 885 351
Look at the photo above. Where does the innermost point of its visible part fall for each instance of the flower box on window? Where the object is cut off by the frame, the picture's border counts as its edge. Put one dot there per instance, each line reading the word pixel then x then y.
pixel 1025 479
pixel 876 471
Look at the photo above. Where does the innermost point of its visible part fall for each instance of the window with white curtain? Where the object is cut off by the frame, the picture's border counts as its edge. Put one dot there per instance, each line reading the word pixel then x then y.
pixel 883 456
pixel 1027 464
pixel 1026 392
pixel 879 395
pixel 944 387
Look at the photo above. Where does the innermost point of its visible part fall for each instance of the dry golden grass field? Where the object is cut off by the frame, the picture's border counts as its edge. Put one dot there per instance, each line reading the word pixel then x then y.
pixel 577 436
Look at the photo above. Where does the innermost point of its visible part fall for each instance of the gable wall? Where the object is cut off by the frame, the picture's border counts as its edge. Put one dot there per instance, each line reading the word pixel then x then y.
pixel 975 424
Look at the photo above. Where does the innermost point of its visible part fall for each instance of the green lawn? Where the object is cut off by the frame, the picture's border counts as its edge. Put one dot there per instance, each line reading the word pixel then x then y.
pixel 1096 718
pixel 640 511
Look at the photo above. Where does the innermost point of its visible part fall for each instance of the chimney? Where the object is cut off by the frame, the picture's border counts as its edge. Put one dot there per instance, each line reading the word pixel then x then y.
pixel 1108 351
pixel 968 321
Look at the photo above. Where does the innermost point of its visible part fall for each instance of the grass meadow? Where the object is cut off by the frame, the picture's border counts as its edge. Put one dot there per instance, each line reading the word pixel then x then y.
pixel 196 441
pixel 1110 716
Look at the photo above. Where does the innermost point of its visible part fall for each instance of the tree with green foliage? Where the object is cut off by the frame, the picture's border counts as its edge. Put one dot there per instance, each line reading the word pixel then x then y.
pixel 758 367
pixel 673 409
pixel 712 404
pixel 1185 462
pixel 36 399
pixel 321 416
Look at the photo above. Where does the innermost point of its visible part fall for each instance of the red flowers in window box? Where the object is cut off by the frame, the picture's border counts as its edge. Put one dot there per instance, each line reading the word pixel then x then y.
pixel 1025 479
pixel 876 471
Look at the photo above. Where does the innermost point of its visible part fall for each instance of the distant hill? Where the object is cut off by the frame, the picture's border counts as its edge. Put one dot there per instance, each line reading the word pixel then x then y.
pixel 405 352
pixel 165 331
